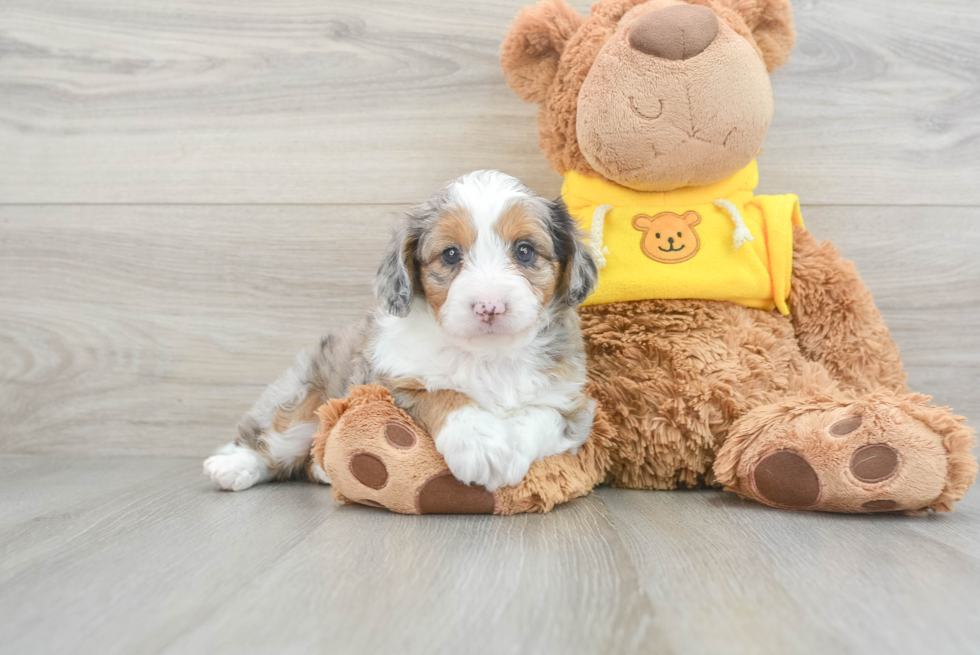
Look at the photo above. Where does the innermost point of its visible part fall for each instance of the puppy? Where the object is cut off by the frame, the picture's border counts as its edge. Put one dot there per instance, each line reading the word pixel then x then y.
pixel 476 336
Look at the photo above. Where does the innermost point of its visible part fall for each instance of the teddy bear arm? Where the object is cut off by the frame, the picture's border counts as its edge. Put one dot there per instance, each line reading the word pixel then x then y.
pixel 836 321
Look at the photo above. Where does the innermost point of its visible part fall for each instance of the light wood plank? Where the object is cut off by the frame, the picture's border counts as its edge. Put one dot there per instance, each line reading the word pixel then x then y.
pixel 173 566
pixel 162 563
pixel 921 265
pixel 876 105
pixel 150 329
pixel 240 101
pixel 131 325
pixel 731 576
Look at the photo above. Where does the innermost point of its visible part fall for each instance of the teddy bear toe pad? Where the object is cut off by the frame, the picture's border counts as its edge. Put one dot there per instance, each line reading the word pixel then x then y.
pixel 444 494
pixel 369 470
pixel 860 459
pixel 785 478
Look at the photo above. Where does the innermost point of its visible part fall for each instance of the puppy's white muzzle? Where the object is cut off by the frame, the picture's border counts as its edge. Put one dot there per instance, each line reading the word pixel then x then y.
pixel 489 299
pixel 489 310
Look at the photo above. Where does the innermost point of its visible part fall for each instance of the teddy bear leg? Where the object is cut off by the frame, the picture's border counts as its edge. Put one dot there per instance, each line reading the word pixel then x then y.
pixel 560 478
pixel 883 452
pixel 836 321
pixel 374 454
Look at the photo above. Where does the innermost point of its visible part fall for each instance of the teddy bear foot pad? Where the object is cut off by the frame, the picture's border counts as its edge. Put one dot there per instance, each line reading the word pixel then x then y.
pixel 862 457
pixel 386 461
pixel 408 474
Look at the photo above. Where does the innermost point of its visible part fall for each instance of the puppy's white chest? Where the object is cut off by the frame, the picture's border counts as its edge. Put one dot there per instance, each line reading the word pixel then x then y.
pixel 497 385
pixel 412 347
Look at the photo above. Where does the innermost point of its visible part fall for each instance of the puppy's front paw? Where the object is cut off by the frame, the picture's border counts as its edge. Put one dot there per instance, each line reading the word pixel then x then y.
pixel 478 449
pixel 236 468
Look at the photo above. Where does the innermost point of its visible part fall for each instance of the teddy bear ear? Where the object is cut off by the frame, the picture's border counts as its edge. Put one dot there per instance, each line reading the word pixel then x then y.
pixel 767 23
pixel 534 44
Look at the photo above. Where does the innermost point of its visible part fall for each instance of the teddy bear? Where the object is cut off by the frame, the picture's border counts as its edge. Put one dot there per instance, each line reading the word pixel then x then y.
pixel 726 346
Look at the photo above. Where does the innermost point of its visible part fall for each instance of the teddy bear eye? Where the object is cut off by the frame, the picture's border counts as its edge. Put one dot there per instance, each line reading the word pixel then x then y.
pixel 678 234
pixel 658 235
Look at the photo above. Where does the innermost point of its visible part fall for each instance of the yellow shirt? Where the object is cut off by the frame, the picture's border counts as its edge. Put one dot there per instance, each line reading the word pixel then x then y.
pixel 716 242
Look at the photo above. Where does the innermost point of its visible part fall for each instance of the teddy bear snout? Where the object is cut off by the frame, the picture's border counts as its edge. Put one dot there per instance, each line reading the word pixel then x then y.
pixel 678 32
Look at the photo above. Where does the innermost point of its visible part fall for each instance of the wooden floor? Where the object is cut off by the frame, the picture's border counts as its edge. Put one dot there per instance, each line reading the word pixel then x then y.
pixel 136 555
pixel 191 191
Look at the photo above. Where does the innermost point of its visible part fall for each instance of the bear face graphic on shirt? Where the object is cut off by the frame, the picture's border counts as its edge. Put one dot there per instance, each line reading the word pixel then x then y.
pixel 669 238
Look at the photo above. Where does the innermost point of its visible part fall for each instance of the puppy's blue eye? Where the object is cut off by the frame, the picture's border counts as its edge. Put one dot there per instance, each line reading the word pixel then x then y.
pixel 451 256
pixel 524 253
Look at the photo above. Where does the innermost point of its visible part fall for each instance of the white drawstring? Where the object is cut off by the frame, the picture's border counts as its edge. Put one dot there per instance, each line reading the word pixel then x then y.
pixel 742 233
pixel 595 235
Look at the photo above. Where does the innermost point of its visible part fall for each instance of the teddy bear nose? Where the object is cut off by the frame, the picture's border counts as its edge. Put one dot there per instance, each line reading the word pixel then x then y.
pixel 678 32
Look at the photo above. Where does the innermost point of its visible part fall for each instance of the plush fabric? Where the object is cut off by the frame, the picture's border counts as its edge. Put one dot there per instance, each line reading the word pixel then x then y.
pixel 805 409
pixel 376 455
pixel 702 260
pixel 656 124
pixel 681 32
pixel 890 459
pixel 755 36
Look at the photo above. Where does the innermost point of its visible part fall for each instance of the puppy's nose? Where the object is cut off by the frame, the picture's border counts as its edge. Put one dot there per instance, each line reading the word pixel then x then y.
pixel 677 32
pixel 488 310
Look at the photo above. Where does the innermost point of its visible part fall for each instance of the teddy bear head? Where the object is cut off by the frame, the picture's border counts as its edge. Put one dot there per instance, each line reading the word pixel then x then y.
pixel 651 94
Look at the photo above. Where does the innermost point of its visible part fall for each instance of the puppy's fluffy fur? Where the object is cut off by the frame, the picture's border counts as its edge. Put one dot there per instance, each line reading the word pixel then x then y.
pixel 477 337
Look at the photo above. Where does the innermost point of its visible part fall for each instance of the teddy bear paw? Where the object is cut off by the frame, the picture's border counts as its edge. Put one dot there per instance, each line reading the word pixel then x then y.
pixel 386 461
pixel 868 456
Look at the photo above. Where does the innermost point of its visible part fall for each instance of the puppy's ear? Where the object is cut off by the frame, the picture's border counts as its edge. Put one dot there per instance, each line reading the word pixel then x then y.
pixel 396 281
pixel 534 44
pixel 579 273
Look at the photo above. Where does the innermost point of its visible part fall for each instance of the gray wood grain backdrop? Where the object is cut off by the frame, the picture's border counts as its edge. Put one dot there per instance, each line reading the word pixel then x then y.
pixel 190 192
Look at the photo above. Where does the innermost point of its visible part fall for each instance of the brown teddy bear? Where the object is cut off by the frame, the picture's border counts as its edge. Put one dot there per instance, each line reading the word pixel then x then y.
pixel 725 345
